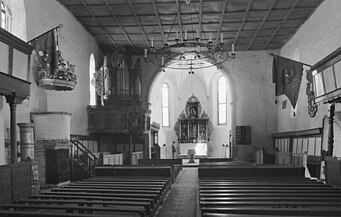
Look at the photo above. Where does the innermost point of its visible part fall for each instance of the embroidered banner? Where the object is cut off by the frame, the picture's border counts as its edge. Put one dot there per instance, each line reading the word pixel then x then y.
pixel 287 75
pixel 46 54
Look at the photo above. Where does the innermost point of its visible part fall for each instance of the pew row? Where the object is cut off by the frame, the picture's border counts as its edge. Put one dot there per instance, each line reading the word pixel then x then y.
pixel 175 163
pixel 264 191
pixel 117 195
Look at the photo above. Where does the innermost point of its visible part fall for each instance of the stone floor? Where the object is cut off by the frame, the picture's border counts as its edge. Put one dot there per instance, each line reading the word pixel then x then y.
pixel 183 199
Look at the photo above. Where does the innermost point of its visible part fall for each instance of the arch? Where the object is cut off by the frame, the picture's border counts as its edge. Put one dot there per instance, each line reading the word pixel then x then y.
pixel 92 89
pixel 151 81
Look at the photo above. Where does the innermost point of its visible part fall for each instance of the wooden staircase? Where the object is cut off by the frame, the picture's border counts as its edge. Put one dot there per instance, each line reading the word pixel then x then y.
pixel 83 161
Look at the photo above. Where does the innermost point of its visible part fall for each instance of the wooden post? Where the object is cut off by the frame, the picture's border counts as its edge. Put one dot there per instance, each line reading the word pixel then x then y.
pixel 13 127
pixel 331 130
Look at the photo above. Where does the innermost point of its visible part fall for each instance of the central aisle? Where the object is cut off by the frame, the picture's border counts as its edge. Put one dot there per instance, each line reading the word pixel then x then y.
pixel 183 199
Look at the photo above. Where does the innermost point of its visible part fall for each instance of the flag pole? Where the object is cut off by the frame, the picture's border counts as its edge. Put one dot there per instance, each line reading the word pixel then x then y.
pixel 290 59
pixel 57 27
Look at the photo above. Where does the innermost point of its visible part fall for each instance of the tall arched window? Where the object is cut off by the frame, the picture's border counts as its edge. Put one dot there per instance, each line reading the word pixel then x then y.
pixel 92 89
pixel 5 17
pixel 165 105
pixel 222 100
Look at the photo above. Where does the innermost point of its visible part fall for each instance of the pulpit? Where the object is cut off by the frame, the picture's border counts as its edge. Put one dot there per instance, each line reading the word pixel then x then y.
pixel 193 128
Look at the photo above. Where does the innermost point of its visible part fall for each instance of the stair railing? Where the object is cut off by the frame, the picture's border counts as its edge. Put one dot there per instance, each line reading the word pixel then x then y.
pixel 83 155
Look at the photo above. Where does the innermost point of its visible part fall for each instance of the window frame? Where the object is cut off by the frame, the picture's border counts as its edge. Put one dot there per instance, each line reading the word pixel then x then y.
pixel 218 101
pixel 163 106
pixel 5 17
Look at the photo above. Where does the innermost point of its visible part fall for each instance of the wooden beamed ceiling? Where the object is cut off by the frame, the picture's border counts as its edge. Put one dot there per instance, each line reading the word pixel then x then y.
pixel 249 24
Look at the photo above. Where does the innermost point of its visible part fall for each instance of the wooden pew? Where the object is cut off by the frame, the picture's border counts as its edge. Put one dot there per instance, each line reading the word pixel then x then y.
pixel 177 163
pixel 249 171
pixel 6 213
pixel 131 211
pixel 148 203
pixel 312 211
pixel 100 194
pixel 264 191
pixel 246 215
pixel 85 202
pixel 139 171
pixel 118 191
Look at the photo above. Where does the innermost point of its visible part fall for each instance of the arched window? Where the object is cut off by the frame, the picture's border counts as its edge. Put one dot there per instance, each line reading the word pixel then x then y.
pixel 92 89
pixel 222 100
pixel 6 17
pixel 165 105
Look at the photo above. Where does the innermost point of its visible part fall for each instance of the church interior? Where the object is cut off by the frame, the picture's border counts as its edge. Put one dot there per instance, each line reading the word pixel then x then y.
pixel 221 108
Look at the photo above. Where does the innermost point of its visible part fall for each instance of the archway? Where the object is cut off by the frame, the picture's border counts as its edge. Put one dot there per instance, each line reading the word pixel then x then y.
pixel 203 84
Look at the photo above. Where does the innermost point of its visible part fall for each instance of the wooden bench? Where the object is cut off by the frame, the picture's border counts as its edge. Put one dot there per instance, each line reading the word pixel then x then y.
pixel 143 171
pixel 177 163
pixel 120 191
pixel 310 211
pixel 85 202
pixel 100 194
pixel 6 213
pixel 249 171
pixel 264 191
pixel 272 198
pixel 132 210
pixel 247 215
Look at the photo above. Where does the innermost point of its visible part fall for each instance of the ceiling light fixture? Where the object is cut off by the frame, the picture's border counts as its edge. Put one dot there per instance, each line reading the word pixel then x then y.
pixel 188 54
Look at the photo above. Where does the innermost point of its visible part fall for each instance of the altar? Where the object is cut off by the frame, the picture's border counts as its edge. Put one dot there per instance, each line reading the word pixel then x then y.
pixel 193 129
pixel 200 148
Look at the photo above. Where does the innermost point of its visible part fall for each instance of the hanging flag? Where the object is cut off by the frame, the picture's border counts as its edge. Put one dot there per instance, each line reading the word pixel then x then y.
pixel 46 54
pixel 287 75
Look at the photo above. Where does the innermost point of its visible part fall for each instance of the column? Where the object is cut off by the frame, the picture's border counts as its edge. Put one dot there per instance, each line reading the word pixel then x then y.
pixel 331 130
pixel 26 140
pixel 13 125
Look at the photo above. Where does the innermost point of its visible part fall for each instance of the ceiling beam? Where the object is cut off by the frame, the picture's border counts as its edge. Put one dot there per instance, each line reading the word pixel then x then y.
pixel 179 19
pixel 200 17
pixel 247 9
pixel 261 25
pixel 99 24
pixel 300 9
pixel 120 25
pixel 221 21
pixel 204 23
pixel 159 22
pixel 138 22
pixel 280 24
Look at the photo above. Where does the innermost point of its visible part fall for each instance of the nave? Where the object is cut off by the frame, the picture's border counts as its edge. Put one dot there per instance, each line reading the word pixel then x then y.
pixel 165 188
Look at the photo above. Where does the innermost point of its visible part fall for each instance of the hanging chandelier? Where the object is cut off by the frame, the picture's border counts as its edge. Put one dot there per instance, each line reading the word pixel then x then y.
pixel 186 53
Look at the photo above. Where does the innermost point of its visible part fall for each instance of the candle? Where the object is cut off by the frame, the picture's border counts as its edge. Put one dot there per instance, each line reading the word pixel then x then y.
pixel 221 38
pixel 197 33
pixel 166 40
pixel 177 34
pixel 185 34
pixel 232 48
pixel 162 60
pixel 210 40
pixel 152 42
pixel 145 53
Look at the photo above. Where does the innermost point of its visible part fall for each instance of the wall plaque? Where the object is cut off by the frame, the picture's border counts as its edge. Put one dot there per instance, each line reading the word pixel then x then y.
pixel 243 135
